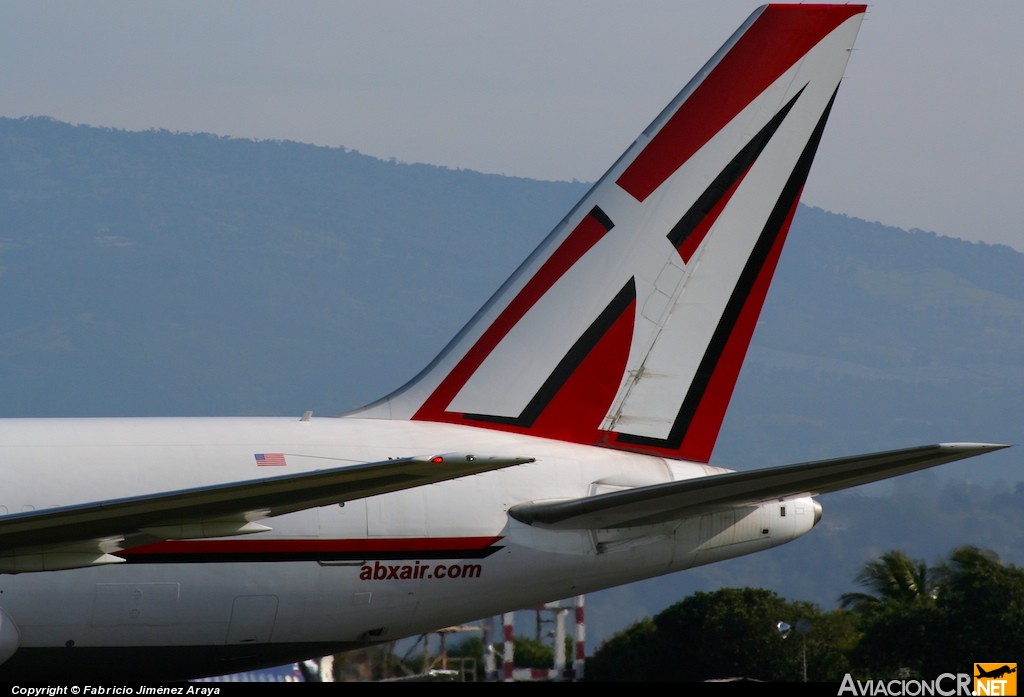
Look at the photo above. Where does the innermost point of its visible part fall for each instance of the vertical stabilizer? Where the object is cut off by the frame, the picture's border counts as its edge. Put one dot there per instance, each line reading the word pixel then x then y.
pixel 628 325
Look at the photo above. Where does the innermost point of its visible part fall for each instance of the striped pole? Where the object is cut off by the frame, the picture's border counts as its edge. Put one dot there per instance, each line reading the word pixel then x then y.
pixel 580 640
pixel 507 621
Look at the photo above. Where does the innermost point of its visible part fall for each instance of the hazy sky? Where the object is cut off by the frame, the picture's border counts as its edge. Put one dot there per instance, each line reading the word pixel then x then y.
pixel 927 130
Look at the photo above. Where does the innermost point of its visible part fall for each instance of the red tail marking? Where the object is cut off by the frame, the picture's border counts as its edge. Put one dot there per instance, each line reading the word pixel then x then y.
pixel 693 240
pixel 707 421
pixel 590 230
pixel 776 40
pixel 577 410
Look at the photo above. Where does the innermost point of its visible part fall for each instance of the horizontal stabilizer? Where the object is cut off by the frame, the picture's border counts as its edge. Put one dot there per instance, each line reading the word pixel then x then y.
pixel 675 500
pixel 45 536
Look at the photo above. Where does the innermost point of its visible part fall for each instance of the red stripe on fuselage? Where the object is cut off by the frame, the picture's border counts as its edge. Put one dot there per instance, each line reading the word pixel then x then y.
pixel 776 40
pixel 412 545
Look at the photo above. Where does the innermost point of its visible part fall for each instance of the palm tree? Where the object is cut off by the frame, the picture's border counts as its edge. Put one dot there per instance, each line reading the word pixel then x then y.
pixel 893 577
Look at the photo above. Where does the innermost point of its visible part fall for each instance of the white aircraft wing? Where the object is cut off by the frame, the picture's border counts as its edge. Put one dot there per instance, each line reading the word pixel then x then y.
pixel 659 503
pixel 91 533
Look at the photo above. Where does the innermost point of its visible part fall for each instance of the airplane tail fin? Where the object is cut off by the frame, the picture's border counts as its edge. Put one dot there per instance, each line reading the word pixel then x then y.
pixel 627 326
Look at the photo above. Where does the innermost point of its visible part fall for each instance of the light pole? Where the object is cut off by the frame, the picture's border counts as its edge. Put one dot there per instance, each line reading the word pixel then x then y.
pixel 803 626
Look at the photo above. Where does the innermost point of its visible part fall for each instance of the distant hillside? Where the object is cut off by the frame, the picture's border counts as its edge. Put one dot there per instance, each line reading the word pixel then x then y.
pixel 160 273
pixel 163 273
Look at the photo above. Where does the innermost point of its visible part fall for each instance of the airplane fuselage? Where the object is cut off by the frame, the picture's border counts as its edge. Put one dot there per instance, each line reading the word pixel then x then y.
pixel 332 577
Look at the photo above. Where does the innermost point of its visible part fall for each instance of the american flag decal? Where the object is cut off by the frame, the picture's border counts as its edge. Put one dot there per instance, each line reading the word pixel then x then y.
pixel 270 459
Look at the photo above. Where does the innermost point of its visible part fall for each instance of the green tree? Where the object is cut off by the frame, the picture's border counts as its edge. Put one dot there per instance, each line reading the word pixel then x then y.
pixel 893 577
pixel 937 620
pixel 897 615
pixel 627 656
pixel 981 600
pixel 728 633
pixel 532 653
pixel 896 639
pixel 832 637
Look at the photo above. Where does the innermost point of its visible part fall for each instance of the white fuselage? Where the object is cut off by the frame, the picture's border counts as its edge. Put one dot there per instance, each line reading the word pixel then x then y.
pixel 375 569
